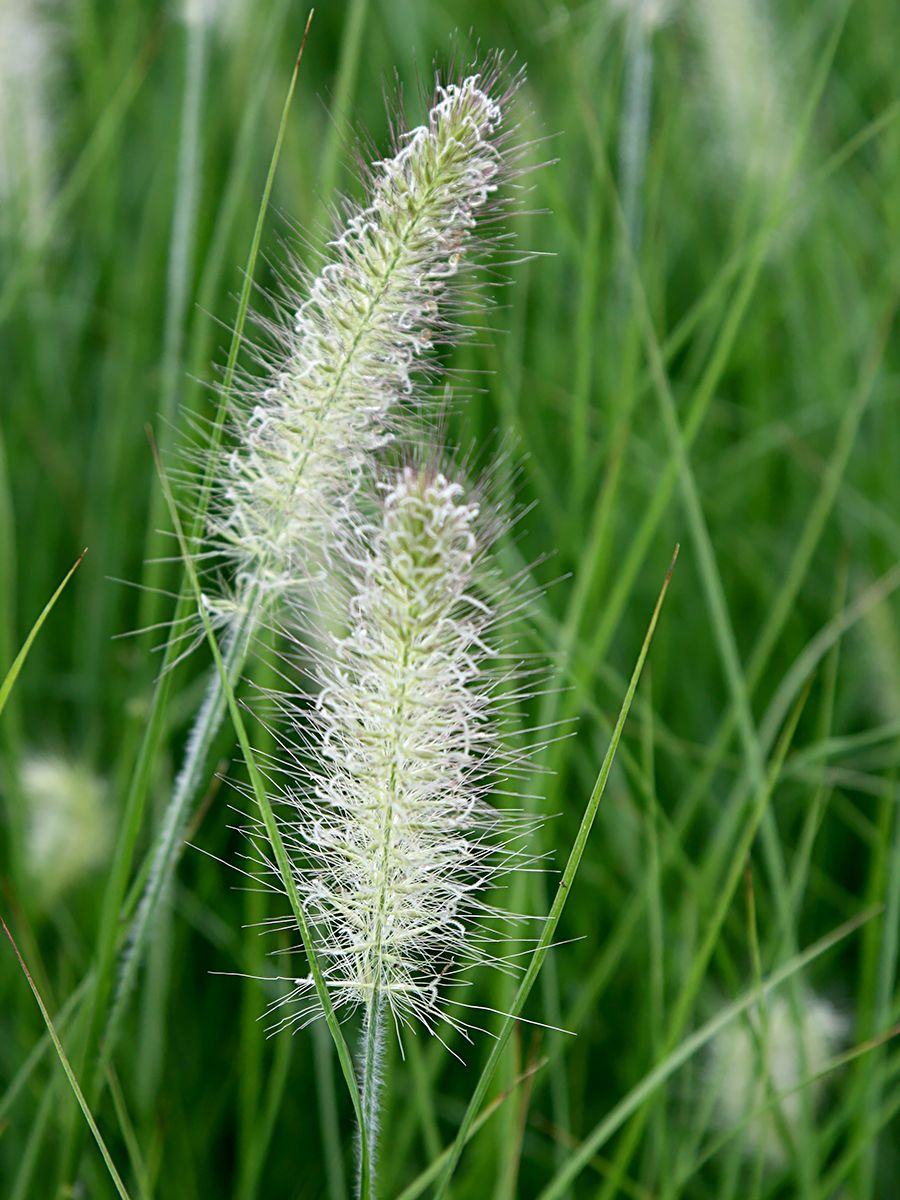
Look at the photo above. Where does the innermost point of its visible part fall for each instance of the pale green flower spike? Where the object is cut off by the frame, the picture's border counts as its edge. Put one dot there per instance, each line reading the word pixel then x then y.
pixel 393 841
pixel 340 364
pixel 347 358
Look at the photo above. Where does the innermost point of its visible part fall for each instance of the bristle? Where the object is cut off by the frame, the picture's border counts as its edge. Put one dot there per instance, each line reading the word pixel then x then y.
pixel 393 840
pixel 343 369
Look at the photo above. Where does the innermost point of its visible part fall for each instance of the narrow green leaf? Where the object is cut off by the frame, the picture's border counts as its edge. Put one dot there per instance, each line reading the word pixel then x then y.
pixel 285 867
pixel 70 1074
pixel 108 939
pixel 28 1067
pixel 559 903
pixel 19 661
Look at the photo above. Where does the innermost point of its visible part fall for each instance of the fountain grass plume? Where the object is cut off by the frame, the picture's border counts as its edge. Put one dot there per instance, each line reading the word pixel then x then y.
pixel 28 53
pixel 773 1051
pixel 384 783
pixel 348 344
pixel 344 349
pixel 68 821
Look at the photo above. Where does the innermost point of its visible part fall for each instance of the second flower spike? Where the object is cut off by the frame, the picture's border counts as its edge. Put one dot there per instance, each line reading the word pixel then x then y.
pixel 392 837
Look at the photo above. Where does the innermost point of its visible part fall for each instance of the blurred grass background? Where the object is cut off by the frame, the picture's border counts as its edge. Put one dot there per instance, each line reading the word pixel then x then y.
pixel 702 353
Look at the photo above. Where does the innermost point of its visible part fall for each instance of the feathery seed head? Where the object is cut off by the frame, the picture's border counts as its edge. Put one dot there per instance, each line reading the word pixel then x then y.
pixel 27 44
pixel 69 831
pixel 346 358
pixel 754 1058
pixel 393 841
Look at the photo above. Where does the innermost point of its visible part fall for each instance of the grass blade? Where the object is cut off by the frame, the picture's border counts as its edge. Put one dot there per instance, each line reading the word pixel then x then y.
pixel 273 833
pixel 14 802
pixel 140 782
pixel 19 661
pixel 689 1047
pixel 559 903
pixel 70 1074
pixel 348 65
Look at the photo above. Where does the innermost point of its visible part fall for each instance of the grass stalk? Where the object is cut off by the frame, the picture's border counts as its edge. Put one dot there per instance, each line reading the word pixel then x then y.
pixel 70 1075
pixel 371 1075
pixel 182 250
pixel 273 833
pixel 559 902
pixel 332 1149
pixel 140 782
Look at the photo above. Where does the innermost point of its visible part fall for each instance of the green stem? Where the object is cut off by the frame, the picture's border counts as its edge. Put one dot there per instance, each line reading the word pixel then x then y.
pixel 187 786
pixel 373 1054
pixel 284 865
pixel 115 894
pixel 182 246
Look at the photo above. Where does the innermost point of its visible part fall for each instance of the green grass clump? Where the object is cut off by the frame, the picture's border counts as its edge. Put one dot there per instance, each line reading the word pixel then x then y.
pixel 704 353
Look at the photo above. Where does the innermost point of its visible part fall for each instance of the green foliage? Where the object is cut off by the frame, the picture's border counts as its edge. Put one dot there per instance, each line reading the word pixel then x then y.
pixel 709 360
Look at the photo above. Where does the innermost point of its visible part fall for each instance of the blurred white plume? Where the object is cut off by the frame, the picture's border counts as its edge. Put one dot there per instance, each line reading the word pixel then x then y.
pixel 27 65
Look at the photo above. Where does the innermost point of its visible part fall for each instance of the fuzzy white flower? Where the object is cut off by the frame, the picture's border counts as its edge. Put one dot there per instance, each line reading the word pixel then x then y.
pixel 753 1059
pixel 392 837
pixel 747 94
pixel 69 828
pixel 27 46
pixel 342 363
pixel 345 360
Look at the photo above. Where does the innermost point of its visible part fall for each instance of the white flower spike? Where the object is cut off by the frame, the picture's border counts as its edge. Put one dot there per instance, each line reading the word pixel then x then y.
pixel 341 363
pixel 346 358
pixel 393 840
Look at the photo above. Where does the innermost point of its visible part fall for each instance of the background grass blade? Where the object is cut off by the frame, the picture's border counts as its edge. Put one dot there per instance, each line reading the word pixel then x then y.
pixel 285 867
pixel 140 781
pixel 70 1075
pixel 18 662
pixel 548 931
